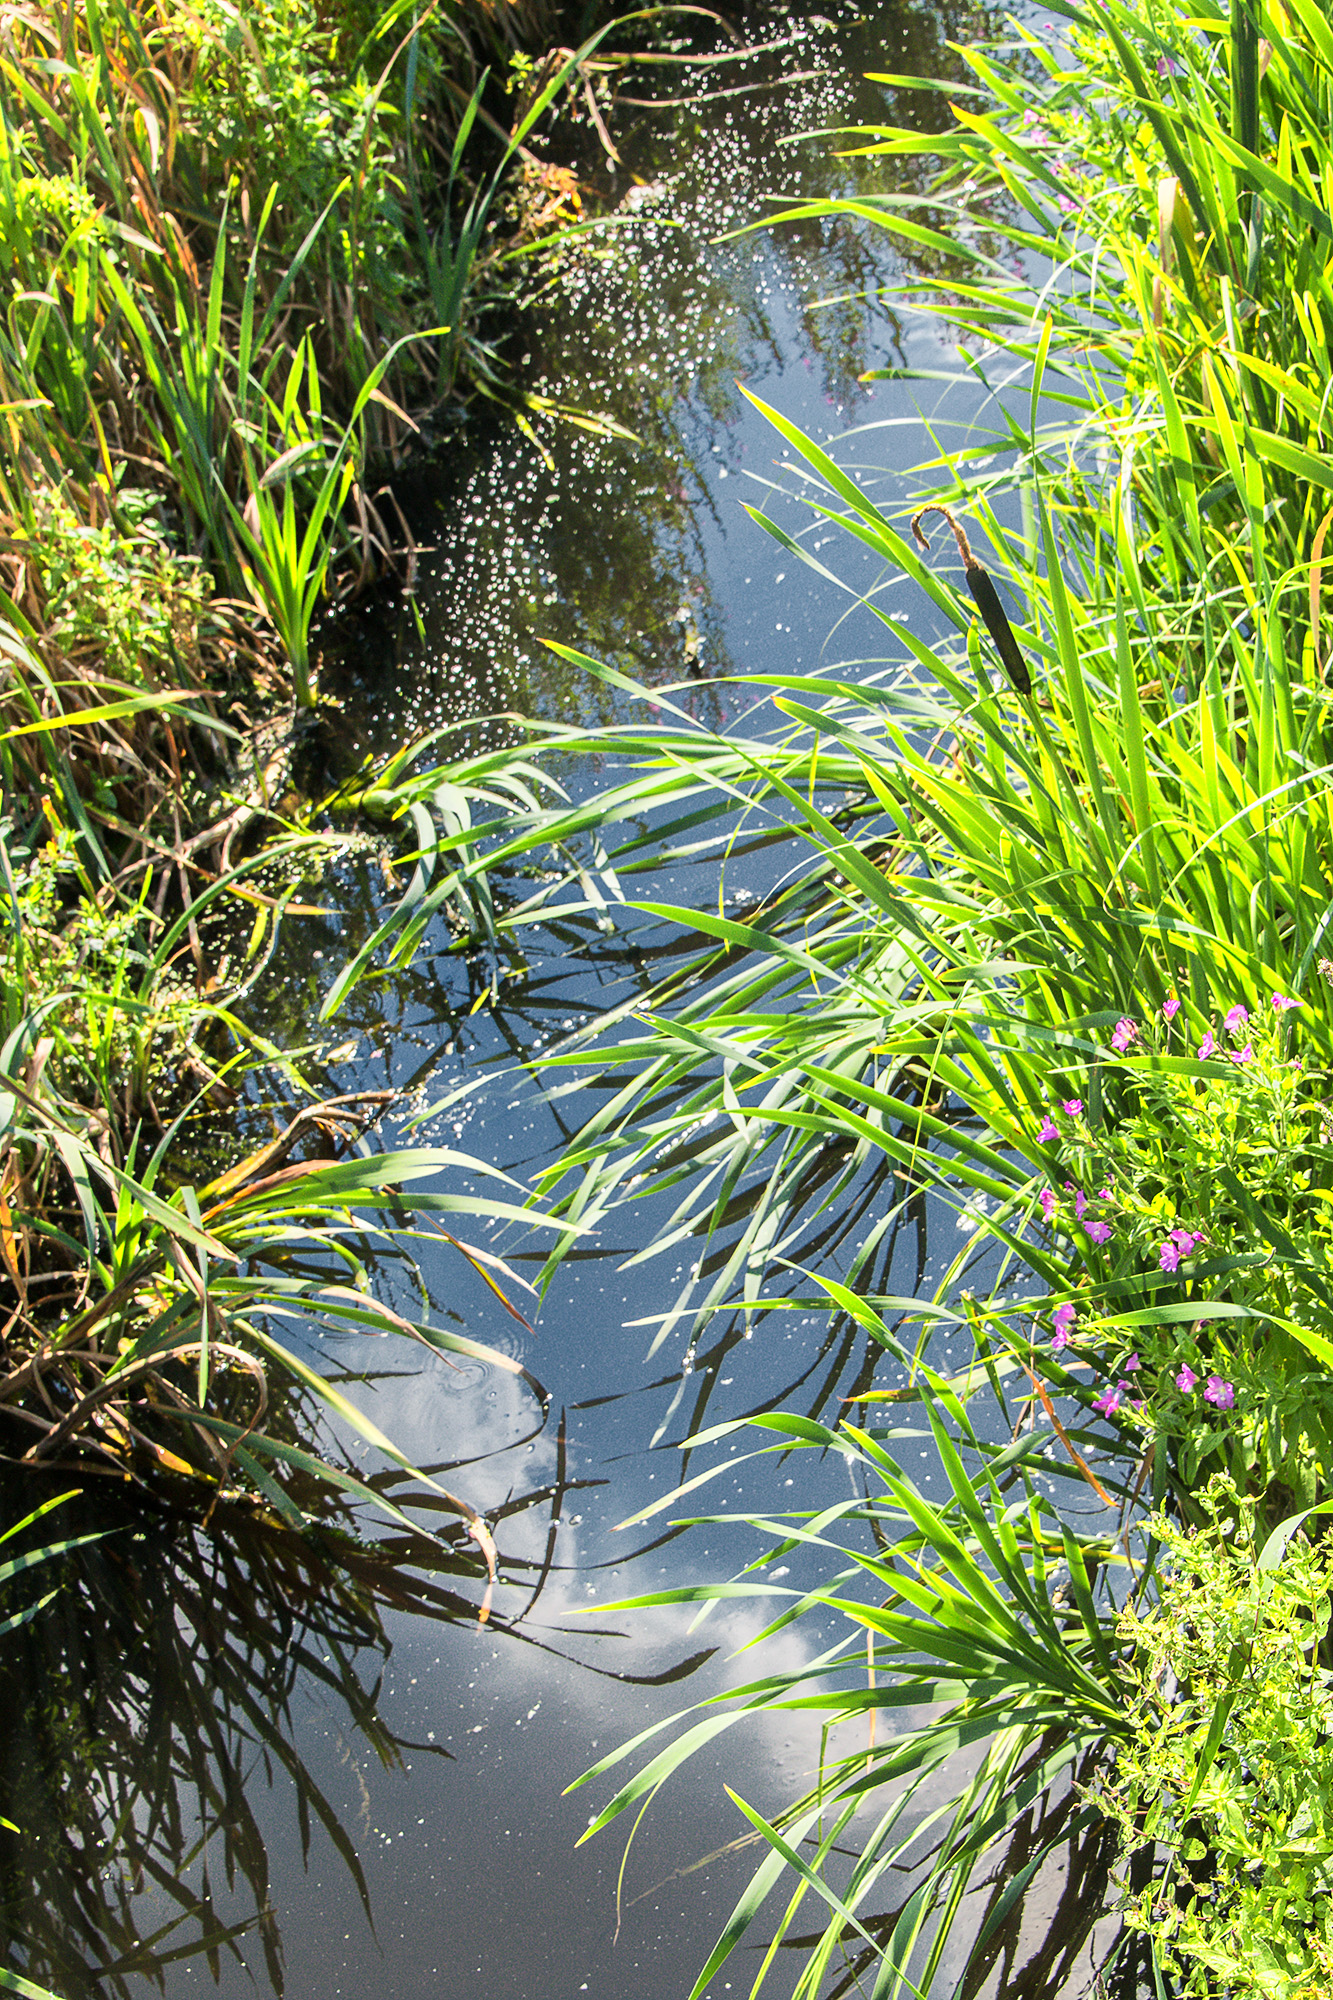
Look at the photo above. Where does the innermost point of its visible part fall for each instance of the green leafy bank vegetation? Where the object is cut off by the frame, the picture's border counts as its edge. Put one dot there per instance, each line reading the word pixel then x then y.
pixel 246 264
pixel 1059 957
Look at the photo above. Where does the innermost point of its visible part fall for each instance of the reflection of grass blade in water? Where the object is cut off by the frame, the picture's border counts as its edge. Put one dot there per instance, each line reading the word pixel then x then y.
pixel 136 1704
pixel 18 1565
pixel 170 1678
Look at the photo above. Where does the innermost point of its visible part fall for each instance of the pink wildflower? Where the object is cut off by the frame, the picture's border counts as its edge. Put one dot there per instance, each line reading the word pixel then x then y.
pixel 1047 1131
pixel 1048 1199
pixel 1242 1056
pixel 1207 1046
pixel 1283 1005
pixel 1063 1318
pixel 1130 1363
pixel 1235 1019
pixel 1220 1392
pixel 1072 1106
pixel 1100 1232
pixel 1170 1008
pixel 1080 1205
pixel 1186 1379
pixel 1125 1032
pixel 1109 1402
pixel 1179 1244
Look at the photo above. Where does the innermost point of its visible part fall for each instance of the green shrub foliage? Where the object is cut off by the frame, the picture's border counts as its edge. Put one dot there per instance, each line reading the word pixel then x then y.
pixel 1227 1776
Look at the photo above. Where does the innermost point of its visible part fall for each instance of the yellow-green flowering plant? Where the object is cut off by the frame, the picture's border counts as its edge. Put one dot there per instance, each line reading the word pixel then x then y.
pixel 1228 1772
pixel 1191 1166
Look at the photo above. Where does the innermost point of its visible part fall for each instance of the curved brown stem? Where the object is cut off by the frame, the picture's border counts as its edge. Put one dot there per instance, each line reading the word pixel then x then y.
pixel 923 541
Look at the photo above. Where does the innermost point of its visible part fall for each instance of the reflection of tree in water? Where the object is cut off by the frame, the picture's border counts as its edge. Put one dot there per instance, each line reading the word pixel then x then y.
pixel 142 1703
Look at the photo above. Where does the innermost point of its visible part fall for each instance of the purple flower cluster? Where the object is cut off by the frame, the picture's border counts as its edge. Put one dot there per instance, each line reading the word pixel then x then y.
pixel 1048 1130
pixel 1236 1020
pixel 1094 1227
pixel 1112 1398
pixel 1217 1390
pixel 1179 1244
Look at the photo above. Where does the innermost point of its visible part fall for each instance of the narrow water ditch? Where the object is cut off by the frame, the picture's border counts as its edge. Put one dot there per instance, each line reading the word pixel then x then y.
pixel 384 1811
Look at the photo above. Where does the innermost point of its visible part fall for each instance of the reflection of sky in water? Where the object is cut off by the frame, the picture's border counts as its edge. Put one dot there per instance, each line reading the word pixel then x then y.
pixel 640 554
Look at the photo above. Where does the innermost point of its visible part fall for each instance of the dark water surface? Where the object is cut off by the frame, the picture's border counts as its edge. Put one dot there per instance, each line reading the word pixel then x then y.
pixel 382 1814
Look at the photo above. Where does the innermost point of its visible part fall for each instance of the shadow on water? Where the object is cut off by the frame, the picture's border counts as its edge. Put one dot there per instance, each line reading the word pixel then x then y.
pixel 157 1701
pixel 145 1703
pixel 219 1738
